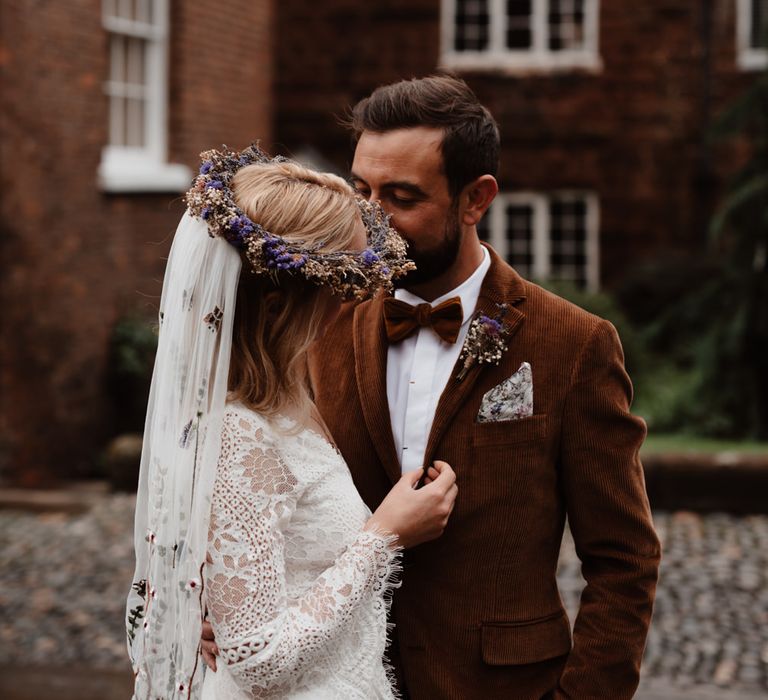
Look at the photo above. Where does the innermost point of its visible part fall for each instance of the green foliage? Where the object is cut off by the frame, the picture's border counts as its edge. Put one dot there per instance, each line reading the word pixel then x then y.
pixel 670 355
pixel 132 356
pixel 706 321
pixel 134 343
pixel 664 398
pixel 733 354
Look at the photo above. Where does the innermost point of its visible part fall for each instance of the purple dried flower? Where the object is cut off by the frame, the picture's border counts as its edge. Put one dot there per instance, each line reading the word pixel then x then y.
pixel 492 326
pixel 241 225
pixel 206 212
pixel 206 167
pixel 214 185
pixel 369 257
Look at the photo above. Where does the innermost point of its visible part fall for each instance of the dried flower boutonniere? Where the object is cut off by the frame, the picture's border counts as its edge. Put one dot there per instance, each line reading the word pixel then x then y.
pixel 486 340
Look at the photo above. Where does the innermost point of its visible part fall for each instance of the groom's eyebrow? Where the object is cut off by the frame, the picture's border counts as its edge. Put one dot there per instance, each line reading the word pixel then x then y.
pixel 404 185
pixel 394 185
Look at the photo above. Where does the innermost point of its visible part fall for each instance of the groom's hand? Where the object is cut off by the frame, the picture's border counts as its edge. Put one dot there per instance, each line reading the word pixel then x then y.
pixel 208 646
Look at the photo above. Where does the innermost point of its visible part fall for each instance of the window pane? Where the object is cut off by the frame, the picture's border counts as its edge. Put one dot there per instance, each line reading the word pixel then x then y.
pixel 109 8
pixel 566 24
pixel 519 18
pixel 116 121
pixel 759 38
pixel 127 88
pixel 135 74
pixel 568 239
pixel 135 122
pixel 519 223
pixel 117 58
pixel 472 25
pixel 125 9
pixel 144 11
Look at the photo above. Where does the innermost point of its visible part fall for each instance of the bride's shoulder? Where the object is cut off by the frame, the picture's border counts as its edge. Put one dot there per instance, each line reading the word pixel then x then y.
pixel 240 418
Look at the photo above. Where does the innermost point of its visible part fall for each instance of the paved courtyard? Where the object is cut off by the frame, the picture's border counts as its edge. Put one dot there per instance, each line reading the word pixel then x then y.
pixel 63 580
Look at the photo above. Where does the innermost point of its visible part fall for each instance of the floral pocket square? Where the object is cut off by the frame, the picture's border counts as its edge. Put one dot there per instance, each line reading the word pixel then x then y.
pixel 510 400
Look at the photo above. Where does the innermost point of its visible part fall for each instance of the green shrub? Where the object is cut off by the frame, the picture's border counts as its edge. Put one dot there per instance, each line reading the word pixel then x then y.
pixel 132 355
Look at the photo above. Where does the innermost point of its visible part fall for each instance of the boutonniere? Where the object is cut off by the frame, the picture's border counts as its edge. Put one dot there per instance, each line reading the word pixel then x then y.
pixel 486 340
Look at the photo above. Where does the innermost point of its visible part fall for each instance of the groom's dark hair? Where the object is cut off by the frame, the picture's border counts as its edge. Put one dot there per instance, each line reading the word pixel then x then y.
pixel 470 145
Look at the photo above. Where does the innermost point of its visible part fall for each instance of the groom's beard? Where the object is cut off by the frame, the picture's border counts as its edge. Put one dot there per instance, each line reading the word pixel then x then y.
pixel 433 262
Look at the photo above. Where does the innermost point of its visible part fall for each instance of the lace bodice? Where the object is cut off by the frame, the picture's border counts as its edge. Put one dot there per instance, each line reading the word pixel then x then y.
pixel 296 591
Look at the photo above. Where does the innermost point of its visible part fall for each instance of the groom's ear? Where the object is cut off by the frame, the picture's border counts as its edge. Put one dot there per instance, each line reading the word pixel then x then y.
pixel 476 197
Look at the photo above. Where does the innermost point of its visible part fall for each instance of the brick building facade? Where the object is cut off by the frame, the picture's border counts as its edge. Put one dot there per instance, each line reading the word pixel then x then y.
pixel 105 109
pixel 603 106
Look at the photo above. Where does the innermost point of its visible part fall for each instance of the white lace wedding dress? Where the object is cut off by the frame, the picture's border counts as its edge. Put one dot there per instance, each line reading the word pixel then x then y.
pixel 297 593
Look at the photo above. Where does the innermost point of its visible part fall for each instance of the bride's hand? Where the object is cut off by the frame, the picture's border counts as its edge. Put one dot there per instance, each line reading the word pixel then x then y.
pixel 417 515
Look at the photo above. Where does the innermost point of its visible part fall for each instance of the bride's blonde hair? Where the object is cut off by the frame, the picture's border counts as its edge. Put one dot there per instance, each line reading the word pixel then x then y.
pixel 271 337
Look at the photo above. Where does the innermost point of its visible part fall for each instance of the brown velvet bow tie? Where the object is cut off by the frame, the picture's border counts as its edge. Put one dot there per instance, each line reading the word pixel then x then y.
pixel 402 319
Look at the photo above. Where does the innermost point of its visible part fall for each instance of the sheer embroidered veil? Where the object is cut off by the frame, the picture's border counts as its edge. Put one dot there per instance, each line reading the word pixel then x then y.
pixel 178 465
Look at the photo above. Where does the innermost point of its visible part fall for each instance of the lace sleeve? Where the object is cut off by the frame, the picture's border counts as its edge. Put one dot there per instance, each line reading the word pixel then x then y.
pixel 265 638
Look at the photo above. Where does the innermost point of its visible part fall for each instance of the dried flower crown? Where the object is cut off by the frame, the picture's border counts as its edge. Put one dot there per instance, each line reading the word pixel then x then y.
pixel 349 274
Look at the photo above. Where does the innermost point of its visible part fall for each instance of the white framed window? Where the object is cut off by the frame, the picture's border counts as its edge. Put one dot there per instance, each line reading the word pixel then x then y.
pixel 752 34
pixel 552 236
pixel 520 35
pixel 135 157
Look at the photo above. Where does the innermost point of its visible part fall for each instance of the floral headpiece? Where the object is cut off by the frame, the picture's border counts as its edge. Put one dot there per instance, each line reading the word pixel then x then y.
pixel 349 274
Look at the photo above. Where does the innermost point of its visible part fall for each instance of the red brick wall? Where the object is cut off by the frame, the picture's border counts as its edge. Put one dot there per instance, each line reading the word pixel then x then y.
pixel 74 260
pixel 632 132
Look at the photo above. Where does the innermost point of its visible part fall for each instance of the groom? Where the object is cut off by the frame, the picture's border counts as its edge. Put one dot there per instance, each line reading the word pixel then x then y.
pixel 479 614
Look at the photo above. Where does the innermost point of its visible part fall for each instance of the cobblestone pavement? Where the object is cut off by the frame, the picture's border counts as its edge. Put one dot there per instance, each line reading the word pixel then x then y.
pixel 710 621
pixel 63 584
pixel 63 581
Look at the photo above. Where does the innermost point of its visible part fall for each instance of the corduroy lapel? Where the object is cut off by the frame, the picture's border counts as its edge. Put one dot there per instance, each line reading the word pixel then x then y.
pixel 371 372
pixel 501 285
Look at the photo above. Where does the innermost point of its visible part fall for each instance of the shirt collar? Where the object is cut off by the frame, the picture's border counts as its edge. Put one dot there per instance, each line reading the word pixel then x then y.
pixel 468 291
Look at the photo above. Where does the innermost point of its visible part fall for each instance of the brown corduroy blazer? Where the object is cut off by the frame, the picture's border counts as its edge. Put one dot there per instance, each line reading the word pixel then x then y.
pixel 479 614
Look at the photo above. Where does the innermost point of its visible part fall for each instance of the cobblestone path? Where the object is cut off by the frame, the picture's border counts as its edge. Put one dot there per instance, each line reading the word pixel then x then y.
pixel 63 581
pixel 710 621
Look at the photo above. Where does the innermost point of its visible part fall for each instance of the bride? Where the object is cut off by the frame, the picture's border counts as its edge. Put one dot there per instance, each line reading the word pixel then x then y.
pixel 245 509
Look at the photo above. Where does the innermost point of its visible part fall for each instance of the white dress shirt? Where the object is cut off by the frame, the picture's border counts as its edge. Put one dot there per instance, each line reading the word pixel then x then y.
pixel 419 367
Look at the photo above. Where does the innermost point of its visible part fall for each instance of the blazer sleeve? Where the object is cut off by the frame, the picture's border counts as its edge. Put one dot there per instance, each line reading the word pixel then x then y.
pixel 610 519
